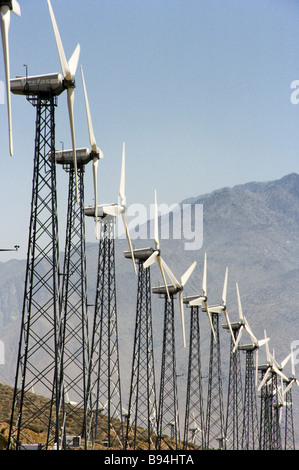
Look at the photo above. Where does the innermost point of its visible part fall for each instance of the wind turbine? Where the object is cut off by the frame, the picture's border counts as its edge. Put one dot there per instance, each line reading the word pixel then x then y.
pixel 179 287
pixel 203 299
pixel 115 209
pixel 68 71
pixel 273 366
pixel 6 6
pixel 256 344
pixel 292 380
pixel 156 255
pixel 289 420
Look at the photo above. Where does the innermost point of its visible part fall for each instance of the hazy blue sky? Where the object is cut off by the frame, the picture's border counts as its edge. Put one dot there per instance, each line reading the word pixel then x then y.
pixel 199 90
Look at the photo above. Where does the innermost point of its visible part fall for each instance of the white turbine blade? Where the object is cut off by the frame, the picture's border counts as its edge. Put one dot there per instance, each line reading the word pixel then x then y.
pixel 279 372
pixel 229 325
pixel 286 360
pixel 5 23
pixel 63 62
pixel 288 387
pixel 249 331
pixel 188 273
pixel 124 217
pixel 261 342
pixel 268 356
pixel 238 338
pixel 122 178
pixel 170 274
pixel 265 378
pixel 182 316
pixel 92 139
pixel 70 102
pixel 73 62
pixel 292 363
pixel 95 185
pixel 162 265
pixel 224 288
pixel 16 9
pixel 239 304
pixel 211 324
pixel 150 261
pixel 204 277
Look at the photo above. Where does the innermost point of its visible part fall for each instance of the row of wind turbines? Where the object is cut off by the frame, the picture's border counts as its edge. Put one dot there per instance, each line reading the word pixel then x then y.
pixel 67 81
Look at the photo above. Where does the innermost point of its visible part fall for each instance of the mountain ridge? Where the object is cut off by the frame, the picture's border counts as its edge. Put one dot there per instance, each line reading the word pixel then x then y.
pixel 252 228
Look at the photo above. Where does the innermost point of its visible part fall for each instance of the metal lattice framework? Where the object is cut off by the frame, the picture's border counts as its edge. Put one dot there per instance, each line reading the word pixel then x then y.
pixel 250 432
pixel 270 437
pixel 75 349
pixel 233 425
pixel 39 355
pixel 104 390
pixel 289 435
pixel 168 415
pixel 214 415
pixel 142 413
pixel 194 428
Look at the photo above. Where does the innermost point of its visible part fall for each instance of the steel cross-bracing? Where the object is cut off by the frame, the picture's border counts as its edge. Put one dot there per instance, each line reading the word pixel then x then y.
pixel 39 355
pixel 289 435
pixel 250 432
pixel 214 414
pixel 234 411
pixel 104 388
pixel 270 438
pixel 75 348
pixel 168 414
pixel 142 412
pixel 194 428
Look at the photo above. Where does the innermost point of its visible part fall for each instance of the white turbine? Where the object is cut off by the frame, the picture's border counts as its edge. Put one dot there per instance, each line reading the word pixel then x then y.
pixel 95 151
pixel 292 380
pixel 68 71
pixel 222 307
pixel 156 255
pixel 115 210
pixel 273 366
pixel 179 287
pixel 245 327
pixel 6 6
pixel 203 299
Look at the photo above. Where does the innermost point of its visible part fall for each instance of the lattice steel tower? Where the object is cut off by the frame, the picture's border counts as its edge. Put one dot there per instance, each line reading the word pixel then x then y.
pixel 250 432
pixel 289 433
pixel 39 355
pixel 75 351
pixel 270 438
pixel 104 389
pixel 215 414
pixel 194 427
pixel 234 411
pixel 142 413
pixel 168 413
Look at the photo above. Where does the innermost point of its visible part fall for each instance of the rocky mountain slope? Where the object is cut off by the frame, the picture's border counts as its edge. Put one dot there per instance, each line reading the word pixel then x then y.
pixel 252 228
